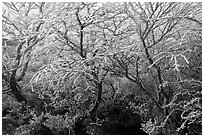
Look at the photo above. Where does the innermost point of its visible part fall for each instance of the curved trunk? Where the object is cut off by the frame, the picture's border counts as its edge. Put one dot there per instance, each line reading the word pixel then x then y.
pixel 15 89
pixel 98 100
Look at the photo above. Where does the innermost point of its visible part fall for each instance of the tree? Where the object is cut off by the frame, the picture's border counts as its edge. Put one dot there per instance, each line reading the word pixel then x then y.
pixel 157 27
pixel 25 41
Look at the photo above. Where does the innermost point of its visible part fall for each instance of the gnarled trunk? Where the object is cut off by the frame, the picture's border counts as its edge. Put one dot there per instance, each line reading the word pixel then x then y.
pixel 15 89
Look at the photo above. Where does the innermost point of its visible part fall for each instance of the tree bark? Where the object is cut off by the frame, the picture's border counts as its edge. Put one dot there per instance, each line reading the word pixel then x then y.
pixel 98 100
pixel 15 89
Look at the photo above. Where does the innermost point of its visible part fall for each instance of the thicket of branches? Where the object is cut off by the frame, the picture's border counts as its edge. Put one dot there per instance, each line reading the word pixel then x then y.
pixel 80 57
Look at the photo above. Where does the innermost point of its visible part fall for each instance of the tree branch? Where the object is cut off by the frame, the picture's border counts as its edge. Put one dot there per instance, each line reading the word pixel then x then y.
pixel 81 27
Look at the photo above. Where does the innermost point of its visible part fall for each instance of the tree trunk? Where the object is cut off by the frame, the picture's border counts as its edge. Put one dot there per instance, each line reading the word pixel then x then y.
pixel 98 100
pixel 15 89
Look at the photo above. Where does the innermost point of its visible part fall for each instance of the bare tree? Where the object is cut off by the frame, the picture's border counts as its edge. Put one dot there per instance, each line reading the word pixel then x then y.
pixel 26 43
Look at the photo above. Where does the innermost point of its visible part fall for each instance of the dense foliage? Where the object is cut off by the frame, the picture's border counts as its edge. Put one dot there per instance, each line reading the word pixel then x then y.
pixel 101 68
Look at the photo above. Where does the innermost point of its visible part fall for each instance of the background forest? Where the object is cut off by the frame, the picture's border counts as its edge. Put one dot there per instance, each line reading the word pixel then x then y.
pixel 101 68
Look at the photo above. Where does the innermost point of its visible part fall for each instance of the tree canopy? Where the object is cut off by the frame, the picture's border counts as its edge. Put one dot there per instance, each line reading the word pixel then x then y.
pixel 68 60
